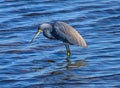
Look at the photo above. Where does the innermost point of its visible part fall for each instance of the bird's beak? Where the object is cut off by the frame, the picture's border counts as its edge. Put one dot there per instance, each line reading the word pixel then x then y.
pixel 36 35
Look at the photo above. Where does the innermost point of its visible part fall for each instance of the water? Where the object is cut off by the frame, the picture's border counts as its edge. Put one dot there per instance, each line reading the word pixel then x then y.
pixel 43 63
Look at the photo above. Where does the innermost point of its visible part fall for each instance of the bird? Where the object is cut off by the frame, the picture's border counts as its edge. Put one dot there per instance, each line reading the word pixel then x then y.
pixel 61 31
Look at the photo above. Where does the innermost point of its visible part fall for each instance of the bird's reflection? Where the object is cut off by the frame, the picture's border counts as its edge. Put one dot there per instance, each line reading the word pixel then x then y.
pixel 77 63
pixel 68 64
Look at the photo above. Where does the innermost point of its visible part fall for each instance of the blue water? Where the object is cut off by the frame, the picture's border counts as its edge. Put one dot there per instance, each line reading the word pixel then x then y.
pixel 43 64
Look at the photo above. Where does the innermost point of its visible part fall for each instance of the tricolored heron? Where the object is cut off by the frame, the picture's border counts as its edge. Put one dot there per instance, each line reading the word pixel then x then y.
pixel 61 31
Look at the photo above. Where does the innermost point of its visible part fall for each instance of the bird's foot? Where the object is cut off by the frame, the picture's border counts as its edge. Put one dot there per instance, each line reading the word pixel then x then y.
pixel 68 54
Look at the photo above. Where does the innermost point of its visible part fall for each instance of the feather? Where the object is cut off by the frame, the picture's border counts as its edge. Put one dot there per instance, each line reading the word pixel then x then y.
pixel 68 34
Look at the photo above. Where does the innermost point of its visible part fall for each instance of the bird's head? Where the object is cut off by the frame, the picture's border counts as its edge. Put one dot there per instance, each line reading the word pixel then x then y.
pixel 42 27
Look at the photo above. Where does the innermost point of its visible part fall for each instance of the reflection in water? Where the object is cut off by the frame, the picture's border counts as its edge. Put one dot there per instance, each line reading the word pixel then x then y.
pixel 69 65
pixel 60 75
pixel 77 63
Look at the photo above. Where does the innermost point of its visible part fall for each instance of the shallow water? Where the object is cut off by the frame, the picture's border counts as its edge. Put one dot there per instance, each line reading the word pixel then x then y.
pixel 43 64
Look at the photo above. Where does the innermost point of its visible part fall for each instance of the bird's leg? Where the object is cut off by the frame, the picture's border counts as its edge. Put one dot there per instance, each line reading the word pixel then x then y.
pixel 68 49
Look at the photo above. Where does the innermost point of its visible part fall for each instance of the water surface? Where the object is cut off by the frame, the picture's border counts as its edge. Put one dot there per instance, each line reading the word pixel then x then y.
pixel 43 64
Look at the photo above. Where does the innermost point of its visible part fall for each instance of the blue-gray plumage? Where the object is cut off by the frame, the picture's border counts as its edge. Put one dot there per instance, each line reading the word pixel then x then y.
pixel 61 31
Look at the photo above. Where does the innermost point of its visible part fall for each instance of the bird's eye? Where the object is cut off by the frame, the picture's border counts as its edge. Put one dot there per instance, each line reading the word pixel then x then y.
pixel 38 28
pixel 45 28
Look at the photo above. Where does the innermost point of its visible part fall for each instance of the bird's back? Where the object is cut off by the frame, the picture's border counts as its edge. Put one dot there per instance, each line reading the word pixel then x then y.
pixel 68 34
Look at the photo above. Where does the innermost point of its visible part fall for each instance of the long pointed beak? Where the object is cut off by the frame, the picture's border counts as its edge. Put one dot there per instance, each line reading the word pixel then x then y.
pixel 36 35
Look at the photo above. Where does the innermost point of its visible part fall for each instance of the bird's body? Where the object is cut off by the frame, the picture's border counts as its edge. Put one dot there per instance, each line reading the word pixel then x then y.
pixel 64 32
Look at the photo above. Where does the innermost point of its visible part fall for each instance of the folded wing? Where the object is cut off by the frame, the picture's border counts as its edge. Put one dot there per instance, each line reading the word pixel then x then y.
pixel 67 33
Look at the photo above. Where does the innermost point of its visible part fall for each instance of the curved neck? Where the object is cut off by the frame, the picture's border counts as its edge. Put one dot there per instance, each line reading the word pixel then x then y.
pixel 47 33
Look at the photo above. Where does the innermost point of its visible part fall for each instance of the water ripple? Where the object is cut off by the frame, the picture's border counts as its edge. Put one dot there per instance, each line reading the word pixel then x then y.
pixel 43 63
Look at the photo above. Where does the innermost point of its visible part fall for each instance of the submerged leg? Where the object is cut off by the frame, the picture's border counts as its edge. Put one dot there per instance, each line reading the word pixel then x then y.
pixel 68 49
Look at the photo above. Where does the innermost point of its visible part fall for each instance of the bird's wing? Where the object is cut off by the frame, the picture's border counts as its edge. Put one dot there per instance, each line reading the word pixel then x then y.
pixel 68 33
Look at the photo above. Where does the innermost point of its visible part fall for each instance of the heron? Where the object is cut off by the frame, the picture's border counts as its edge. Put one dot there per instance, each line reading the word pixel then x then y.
pixel 61 31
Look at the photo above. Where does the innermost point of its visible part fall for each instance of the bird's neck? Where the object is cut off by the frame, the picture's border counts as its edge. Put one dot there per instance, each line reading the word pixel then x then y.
pixel 48 34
